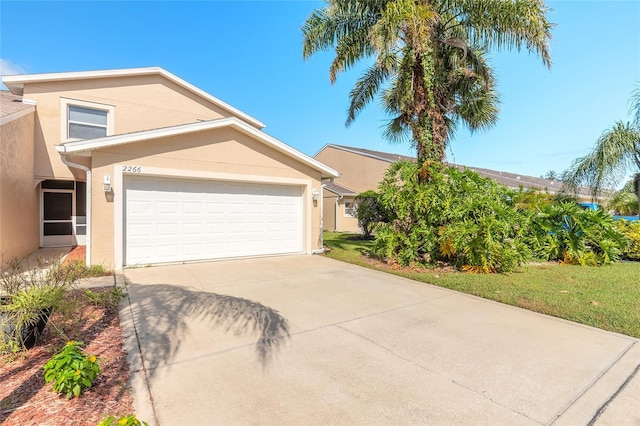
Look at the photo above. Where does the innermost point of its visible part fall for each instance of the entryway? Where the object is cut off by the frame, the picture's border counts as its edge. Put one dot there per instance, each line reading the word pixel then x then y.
pixel 62 213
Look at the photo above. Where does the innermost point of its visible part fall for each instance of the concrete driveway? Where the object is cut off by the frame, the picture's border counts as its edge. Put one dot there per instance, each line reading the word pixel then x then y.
pixel 309 340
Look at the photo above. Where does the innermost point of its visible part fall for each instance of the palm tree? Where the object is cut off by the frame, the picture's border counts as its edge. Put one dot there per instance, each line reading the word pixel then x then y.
pixel 430 59
pixel 616 153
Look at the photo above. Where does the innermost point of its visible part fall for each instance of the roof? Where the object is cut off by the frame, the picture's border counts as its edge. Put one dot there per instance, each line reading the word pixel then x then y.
pixel 339 189
pixel 378 155
pixel 84 147
pixel 16 83
pixel 11 107
pixel 512 180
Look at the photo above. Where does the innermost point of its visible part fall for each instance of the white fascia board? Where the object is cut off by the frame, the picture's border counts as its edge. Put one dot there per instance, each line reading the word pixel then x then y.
pixel 7 118
pixel 86 146
pixel 15 83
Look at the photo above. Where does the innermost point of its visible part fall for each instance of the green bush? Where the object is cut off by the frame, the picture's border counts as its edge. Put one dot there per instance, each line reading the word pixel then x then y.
pixel 565 232
pixel 129 420
pixel 442 214
pixel 450 215
pixel 369 211
pixel 631 231
pixel 108 299
pixel 71 370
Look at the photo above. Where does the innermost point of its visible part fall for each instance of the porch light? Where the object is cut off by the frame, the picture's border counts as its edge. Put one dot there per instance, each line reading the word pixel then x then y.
pixel 107 183
pixel 315 194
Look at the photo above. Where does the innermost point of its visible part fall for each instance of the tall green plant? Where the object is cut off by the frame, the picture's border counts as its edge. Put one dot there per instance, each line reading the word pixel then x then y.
pixel 616 153
pixel 369 211
pixel 564 231
pixel 430 62
pixel 457 217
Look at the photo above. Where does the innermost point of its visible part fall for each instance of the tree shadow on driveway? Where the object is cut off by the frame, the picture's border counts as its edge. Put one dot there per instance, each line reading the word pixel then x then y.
pixel 162 314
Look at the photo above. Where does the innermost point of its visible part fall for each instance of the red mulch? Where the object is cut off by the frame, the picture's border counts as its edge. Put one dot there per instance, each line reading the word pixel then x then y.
pixel 26 400
pixel 77 253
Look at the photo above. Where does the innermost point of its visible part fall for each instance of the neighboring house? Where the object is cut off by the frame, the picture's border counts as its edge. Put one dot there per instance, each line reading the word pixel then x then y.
pixel 363 169
pixel 143 167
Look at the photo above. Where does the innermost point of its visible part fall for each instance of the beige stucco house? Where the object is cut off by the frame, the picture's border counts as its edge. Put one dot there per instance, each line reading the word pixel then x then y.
pixel 363 169
pixel 142 167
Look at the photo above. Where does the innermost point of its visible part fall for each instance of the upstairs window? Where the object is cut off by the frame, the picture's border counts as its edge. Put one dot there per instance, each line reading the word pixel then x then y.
pixel 81 119
pixel 86 123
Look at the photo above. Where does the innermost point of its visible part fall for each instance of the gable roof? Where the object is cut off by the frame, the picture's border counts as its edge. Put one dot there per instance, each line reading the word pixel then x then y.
pixel 512 180
pixel 378 155
pixel 84 147
pixel 339 189
pixel 16 83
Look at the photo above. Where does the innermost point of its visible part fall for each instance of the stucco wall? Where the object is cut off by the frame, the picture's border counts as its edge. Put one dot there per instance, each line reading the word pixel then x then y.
pixel 19 217
pixel 357 172
pixel 218 151
pixel 140 102
pixel 329 210
pixel 334 218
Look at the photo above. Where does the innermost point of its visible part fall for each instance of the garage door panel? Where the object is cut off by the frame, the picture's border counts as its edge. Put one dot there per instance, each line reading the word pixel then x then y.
pixel 168 220
pixel 167 229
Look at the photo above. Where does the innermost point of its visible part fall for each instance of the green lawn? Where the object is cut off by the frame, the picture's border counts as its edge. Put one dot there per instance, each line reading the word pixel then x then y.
pixel 606 297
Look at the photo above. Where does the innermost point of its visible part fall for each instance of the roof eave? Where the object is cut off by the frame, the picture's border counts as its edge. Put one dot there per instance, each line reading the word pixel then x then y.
pixel 85 147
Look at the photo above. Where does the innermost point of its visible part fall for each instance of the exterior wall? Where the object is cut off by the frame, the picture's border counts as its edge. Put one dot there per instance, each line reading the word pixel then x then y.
pixel 140 103
pixel 346 223
pixel 335 219
pixel 357 172
pixel 19 196
pixel 211 154
pixel 329 210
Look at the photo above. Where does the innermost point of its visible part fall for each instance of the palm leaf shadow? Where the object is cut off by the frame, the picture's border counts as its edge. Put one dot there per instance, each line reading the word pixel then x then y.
pixel 161 314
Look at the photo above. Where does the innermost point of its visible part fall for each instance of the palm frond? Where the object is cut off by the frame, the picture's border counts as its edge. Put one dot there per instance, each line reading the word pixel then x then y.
pixel 507 24
pixel 611 158
pixel 365 89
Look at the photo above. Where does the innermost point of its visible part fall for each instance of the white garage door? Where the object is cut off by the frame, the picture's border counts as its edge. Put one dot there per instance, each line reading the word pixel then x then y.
pixel 170 220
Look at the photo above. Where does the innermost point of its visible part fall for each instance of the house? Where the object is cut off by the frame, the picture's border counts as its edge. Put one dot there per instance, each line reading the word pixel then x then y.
pixel 363 169
pixel 142 167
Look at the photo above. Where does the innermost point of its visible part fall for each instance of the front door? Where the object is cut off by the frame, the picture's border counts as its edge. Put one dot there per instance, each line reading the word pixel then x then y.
pixel 57 223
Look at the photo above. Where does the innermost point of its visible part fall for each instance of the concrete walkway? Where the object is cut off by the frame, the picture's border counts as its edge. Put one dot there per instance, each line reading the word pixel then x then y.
pixel 309 340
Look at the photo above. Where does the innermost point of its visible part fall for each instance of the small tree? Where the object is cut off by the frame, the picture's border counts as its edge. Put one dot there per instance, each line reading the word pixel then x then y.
pixel 369 211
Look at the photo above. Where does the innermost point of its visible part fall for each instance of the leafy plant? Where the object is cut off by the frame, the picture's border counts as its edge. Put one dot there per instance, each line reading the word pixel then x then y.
pixel 129 420
pixel 563 231
pixel 453 216
pixel 369 211
pixel 631 231
pixel 30 293
pixel 108 299
pixel 80 270
pixel 71 370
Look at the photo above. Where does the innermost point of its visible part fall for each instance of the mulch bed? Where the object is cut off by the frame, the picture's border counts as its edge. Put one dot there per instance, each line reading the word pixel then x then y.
pixel 26 400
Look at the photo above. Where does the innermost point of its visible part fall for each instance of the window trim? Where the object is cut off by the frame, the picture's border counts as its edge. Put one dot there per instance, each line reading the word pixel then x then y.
pixel 353 207
pixel 65 103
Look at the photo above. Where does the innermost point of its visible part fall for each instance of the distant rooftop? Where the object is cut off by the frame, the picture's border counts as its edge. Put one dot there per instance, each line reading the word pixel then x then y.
pixel 512 180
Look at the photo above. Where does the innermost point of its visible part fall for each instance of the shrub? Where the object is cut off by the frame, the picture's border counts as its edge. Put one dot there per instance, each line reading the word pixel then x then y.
pixel 369 211
pixel 455 216
pixel 129 420
pixel 107 299
pixel 29 294
pixel 563 231
pixel 631 231
pixel 71 370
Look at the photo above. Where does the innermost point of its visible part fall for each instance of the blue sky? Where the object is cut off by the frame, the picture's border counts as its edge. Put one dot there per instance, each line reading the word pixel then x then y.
pixel 248 53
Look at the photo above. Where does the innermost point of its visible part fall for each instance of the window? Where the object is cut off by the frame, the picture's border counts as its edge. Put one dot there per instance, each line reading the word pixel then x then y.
pixel 85 120
pixel 86 123
pixel 349 208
